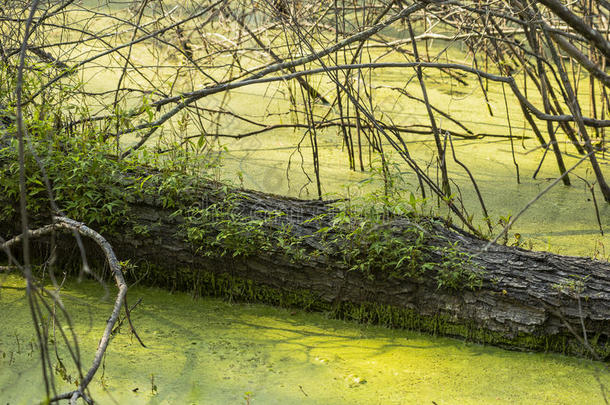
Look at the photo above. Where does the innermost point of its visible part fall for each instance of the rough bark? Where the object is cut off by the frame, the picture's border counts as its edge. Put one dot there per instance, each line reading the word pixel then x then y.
pixel 528 300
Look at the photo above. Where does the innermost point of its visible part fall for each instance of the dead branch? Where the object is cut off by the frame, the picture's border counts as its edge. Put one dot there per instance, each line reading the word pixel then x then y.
pixel 67 224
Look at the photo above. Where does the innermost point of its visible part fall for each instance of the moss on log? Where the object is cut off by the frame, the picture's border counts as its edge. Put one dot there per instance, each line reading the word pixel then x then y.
pixel 210 239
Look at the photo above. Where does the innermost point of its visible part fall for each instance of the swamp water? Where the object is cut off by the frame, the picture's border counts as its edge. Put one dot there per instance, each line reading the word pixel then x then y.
pixel 281 162
pixel 209 351
pixel 563 221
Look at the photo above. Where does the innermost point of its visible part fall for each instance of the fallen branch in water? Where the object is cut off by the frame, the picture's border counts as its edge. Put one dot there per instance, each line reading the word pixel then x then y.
pixel 64 223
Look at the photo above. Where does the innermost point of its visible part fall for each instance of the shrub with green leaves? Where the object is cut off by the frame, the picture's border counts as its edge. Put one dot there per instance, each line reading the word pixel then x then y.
pixel 85 181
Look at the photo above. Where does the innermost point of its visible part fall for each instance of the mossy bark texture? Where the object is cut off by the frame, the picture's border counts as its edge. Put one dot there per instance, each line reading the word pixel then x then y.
pixel 526 299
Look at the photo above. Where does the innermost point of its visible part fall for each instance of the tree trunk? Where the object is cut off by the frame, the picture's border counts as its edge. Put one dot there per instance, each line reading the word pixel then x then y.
pixel 526 300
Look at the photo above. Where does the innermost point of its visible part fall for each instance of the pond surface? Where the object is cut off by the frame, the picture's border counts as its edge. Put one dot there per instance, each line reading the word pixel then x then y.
pixel 280 161
pixel 209 351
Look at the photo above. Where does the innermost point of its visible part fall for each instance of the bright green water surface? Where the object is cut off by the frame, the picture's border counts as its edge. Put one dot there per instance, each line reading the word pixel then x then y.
pixel 208 351
pixel 564 221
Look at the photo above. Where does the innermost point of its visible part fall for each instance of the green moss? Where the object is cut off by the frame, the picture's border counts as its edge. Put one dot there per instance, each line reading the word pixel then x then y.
pixel 202 283
pixel 442 325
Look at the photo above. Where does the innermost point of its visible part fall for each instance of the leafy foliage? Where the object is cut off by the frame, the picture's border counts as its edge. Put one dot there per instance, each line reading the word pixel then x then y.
pixel 90 184
pixel 359 234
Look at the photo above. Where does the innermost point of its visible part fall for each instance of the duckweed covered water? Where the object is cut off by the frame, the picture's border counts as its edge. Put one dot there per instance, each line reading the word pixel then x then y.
pixel 209 351
pixel 564 221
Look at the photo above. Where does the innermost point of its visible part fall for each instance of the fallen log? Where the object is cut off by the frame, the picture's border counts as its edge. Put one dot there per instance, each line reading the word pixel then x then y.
pixel 399 271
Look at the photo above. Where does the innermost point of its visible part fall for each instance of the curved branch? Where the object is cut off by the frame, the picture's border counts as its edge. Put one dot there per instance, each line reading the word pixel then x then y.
pixel 64 223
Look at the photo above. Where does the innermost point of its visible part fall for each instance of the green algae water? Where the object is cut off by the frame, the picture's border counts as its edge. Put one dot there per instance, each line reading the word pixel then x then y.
pixel 280 161
pixel 209 351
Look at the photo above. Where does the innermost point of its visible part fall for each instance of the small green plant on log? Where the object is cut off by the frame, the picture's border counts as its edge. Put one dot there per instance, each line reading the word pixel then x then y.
pixel 360 231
